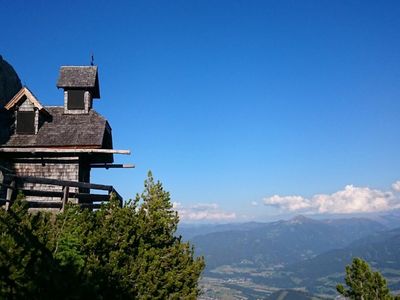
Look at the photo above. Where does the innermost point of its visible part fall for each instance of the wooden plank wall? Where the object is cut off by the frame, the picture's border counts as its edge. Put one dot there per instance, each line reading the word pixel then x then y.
pixel 61 168
pixel 5 167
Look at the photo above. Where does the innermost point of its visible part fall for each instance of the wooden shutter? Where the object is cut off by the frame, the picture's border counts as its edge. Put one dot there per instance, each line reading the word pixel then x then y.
pixel 26 122
pixel 76 99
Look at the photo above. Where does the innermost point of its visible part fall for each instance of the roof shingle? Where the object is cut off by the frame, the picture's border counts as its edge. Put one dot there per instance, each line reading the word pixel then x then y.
pixel 64 130
pixel 79 77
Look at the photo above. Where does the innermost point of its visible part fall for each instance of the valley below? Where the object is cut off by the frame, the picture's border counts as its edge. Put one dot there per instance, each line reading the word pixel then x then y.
pixel 299 258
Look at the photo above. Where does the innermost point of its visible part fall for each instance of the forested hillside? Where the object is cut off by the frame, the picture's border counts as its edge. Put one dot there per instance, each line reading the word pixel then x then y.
pixel 282 242
pixel 301 253
pixel 380 249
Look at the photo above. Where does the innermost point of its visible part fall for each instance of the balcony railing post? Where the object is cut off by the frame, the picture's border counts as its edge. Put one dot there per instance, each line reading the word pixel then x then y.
pixel 65 197
pixel 10 195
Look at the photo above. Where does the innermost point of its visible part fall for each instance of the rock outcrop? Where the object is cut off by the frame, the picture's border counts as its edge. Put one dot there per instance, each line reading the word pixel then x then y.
pixel 10 83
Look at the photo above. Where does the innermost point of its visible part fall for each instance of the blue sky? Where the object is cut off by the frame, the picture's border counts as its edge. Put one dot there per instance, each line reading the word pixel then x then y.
pixel 230 102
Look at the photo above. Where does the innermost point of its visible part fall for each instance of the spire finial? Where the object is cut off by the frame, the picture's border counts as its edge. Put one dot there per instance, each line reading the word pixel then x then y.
pixel 92 59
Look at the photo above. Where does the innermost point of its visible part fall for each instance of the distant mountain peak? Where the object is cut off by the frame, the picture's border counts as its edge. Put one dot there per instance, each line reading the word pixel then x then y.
pixel 300 219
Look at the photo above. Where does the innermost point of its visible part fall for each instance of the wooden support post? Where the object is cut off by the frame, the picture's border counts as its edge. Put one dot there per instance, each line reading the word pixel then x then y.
pixel 10 194
pixel 64 199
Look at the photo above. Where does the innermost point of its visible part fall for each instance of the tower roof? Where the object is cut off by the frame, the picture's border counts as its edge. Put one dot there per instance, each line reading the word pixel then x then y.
pixel 76 77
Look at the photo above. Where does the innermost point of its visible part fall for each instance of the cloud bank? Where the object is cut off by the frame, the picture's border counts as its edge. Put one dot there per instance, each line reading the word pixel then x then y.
pixel 351 199
pixel 203 212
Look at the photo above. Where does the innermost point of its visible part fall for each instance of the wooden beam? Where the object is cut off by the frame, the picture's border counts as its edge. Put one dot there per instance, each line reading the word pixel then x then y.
pixel 84 185
pixel 37 193
pixel 83 197
pixel 112 166
pixel 88 198
pixel 10 194
pixel 52 204
pixel 45 204
pixel 64 150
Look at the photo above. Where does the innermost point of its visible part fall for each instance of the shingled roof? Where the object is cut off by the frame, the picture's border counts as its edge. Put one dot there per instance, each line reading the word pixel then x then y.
pixel 79 77
pixel 65 131
pixel 25 93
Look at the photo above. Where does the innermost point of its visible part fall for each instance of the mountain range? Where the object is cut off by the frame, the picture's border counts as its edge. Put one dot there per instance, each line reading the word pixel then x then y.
pixel 281 242
pixel 300 253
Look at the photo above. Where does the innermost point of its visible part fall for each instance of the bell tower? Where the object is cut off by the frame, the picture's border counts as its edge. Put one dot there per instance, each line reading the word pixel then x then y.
pixel 81 86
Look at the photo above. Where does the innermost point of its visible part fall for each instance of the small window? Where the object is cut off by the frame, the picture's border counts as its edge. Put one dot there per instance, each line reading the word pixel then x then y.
pixel 26 122
pixel 76 99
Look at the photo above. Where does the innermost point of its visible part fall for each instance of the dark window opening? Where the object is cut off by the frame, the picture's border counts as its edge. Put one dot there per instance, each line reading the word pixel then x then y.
pixel 76 99
pixel 26 122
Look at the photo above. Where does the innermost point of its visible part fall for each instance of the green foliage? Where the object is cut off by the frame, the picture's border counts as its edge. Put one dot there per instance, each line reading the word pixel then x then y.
pixel 112 253
pixel 363 283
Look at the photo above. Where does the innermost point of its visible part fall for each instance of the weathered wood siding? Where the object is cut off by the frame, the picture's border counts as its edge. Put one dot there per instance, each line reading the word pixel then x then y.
pixel 7 165
pixel 26 106
pixel 62 168
pixel 88 104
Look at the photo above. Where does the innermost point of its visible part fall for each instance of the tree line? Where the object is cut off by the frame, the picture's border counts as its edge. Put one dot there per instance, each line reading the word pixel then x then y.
pixel 128 252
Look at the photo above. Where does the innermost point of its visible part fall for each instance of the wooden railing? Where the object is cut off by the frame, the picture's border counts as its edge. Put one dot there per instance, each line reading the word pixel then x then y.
pixel 87 200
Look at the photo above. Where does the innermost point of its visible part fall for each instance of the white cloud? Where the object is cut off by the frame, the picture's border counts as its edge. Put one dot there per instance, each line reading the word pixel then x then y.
pixel 396 186
pixel 254 203
pixel 203 212
pixel 351 199
pixel 291 203
pixel 176 205
pixel 205 206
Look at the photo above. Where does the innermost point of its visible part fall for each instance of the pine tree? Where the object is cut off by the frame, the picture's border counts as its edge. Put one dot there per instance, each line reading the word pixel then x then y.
pixel 363 283
pixel 171 269
pixel 128 252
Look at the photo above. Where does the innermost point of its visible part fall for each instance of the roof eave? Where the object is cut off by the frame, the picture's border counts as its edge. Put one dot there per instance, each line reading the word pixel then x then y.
pixel 24 91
